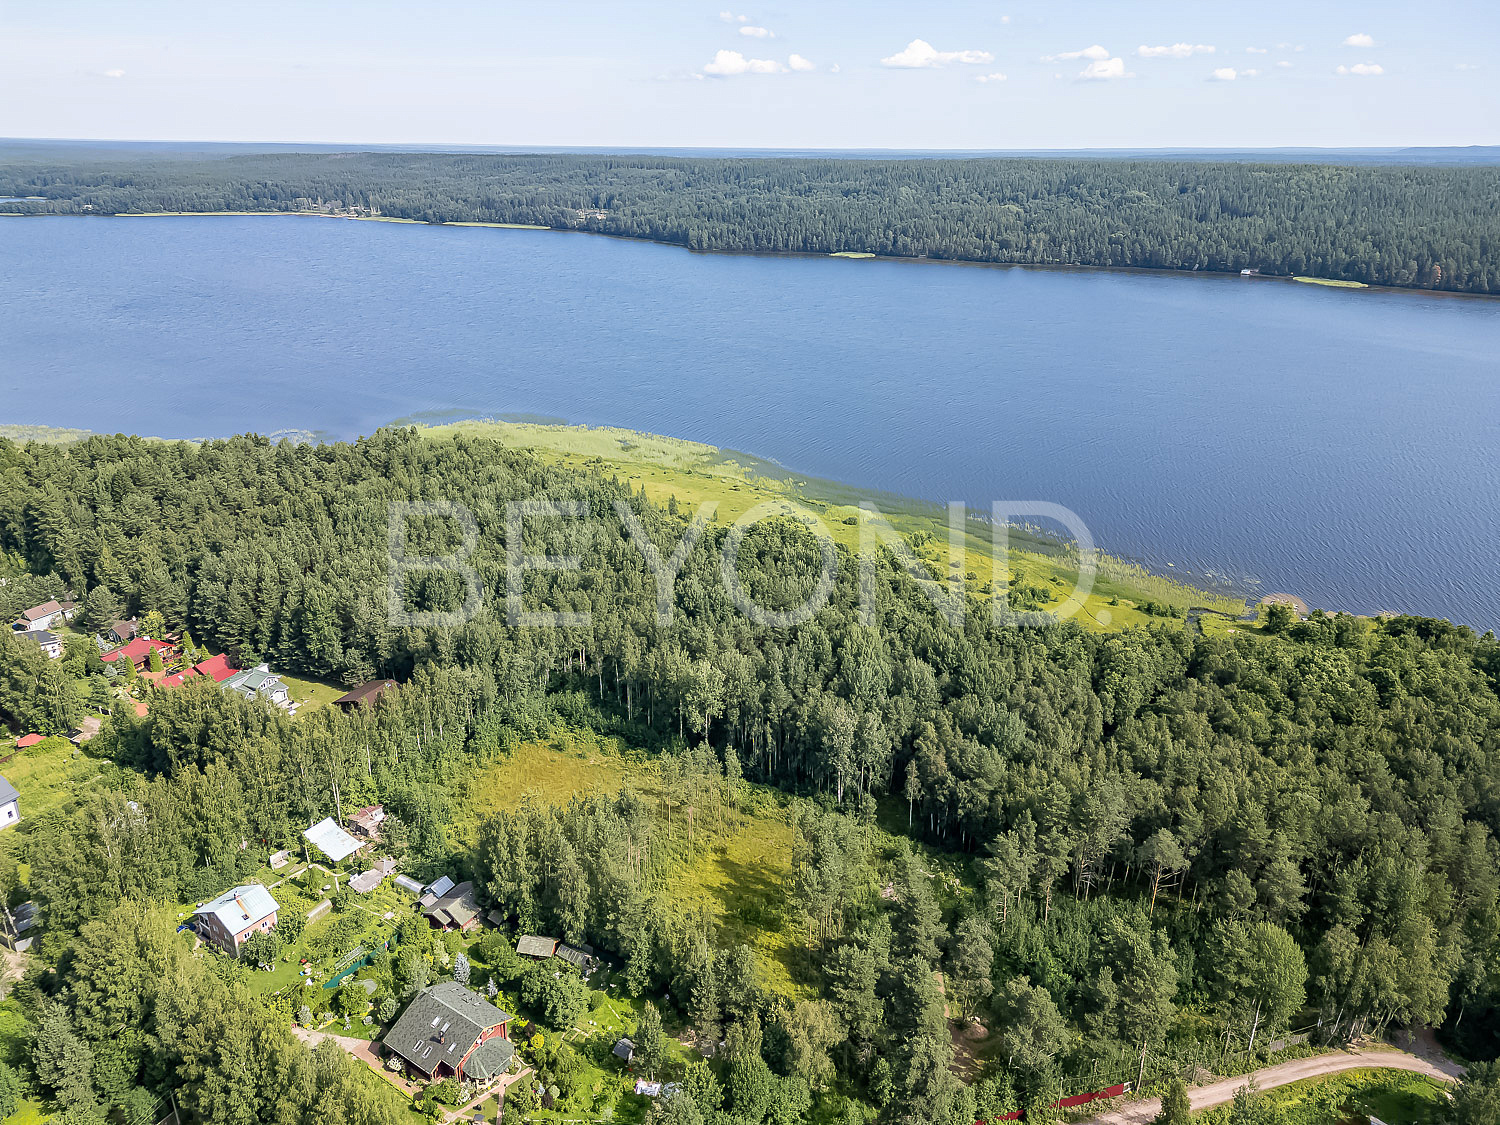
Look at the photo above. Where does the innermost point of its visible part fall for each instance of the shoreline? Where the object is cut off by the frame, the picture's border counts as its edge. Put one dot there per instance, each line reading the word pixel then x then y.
pixel 1195 596
pixel 815 255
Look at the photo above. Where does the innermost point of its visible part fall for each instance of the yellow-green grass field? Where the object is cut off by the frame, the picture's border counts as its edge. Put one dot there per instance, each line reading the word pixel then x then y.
pixel 501 226
pixel 738 864
pixel 1332 282
pixel 46 435
pixel 850 254
pixel 54 774
pixel 697 474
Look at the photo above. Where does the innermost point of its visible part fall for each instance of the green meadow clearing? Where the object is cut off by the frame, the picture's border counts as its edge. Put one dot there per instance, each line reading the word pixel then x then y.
pixel 736 863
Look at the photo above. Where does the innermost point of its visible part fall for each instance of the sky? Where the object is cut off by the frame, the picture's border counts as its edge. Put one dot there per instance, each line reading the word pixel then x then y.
pixel 923 74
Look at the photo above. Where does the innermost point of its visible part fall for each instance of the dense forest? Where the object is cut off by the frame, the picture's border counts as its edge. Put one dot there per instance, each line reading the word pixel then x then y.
pixel 1175 844
pixel 1424 226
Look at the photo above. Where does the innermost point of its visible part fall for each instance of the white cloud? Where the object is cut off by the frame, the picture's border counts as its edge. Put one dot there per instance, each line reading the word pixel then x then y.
pixel 1466 66
pixel 1095 52
pixel 726 64
pixel 1360 39
pixel 1257 50
pixel 1252 73
pixel 114 74
pixel 996 77
pixel 920 53
pixel 1101 70
pixel 1284 65
pixel 834 69
pixel 1364 69
pixel 1224 74
pixel 1175 51
pixel 757 32
pixel 797 62
pixel 730 17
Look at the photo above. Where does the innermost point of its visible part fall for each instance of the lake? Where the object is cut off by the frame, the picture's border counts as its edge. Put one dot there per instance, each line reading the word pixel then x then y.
pixel 1340 445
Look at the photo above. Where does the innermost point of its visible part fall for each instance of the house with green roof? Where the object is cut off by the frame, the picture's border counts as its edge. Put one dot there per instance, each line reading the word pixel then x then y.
pixel 259 683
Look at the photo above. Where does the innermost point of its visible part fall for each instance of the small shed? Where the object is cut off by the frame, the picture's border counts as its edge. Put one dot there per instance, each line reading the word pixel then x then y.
pixel 580 959
pixel 541 948
pixel 624 1050
pixel 367 881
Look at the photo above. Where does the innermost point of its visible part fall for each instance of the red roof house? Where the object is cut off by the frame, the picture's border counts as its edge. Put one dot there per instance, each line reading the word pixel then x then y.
pixel 27 740
pixel 216 667
pixel 138 652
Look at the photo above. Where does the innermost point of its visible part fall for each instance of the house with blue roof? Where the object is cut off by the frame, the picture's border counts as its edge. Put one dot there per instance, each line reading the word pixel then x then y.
pixel 236 914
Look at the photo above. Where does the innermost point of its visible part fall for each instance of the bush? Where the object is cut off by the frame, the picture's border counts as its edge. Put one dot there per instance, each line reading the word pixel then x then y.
pixel 559 1002
pixel 597 1001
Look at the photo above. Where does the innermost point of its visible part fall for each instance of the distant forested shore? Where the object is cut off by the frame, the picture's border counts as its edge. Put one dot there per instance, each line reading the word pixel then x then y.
pixel 1428 227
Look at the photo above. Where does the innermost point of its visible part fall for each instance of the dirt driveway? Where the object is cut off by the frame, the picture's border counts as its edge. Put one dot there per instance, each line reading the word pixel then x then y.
pixel 1217 1093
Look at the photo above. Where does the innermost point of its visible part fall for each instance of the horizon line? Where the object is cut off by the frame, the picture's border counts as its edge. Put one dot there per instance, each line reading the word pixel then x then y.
pixel 628 148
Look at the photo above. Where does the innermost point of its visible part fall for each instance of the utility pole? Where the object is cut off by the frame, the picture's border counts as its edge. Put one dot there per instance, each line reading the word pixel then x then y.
pixel 1141 1073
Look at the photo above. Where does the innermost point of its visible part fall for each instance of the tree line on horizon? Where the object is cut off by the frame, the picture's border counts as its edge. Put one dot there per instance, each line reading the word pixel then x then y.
pixel 1169 841
pixel 1428 227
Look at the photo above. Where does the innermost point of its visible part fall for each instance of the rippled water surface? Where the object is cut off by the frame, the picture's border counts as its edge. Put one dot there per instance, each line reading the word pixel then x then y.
pixel 1340 445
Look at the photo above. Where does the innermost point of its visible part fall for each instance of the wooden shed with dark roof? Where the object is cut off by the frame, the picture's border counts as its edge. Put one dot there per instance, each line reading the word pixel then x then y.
pixel 365 695
pixel 531 945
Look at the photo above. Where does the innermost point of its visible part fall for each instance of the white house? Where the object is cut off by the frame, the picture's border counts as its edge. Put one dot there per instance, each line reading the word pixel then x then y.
pixel 43 616
pixel 10 805
pixel 259 683
pixel 50 643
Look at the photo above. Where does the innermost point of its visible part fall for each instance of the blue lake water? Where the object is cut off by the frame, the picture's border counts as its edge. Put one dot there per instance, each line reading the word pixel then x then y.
pixel 1339 445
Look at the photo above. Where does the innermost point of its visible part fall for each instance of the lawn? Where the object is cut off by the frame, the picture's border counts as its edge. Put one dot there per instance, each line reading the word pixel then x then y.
pixel 311 694
pixel 697 474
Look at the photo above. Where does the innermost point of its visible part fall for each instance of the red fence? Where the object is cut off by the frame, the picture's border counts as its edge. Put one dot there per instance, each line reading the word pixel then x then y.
pixel 1069 1103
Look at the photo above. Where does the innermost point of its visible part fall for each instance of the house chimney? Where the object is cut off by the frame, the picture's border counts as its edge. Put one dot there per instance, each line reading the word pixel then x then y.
pixel 241 904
